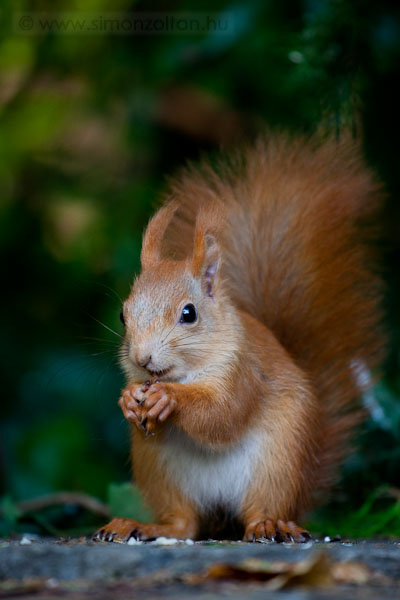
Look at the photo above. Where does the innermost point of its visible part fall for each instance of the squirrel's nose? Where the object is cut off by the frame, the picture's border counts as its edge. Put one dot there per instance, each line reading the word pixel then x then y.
pixel 143 362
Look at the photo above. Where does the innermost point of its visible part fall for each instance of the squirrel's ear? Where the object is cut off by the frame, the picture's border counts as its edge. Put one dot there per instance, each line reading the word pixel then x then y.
pixel 154 234
pixel 206 259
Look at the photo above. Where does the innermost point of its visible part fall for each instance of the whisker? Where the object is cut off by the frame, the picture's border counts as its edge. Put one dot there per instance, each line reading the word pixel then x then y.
pixel 206 352
pixel 169 333
pixel 207 343
pixel 195 349
pixel 194 334
pixel 106 327
pixel 194 342
pixel 100 353
pixel 107 287
pixel 98 341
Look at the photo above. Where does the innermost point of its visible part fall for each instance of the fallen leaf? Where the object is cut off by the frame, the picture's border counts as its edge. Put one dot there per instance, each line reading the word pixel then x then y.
pixel 351 572
pixel 318 570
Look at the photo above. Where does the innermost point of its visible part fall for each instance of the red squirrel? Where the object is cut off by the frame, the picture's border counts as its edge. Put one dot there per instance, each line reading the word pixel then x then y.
pixel 249 336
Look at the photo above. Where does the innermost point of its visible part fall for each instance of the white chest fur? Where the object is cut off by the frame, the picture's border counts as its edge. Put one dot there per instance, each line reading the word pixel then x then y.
pixel 211 477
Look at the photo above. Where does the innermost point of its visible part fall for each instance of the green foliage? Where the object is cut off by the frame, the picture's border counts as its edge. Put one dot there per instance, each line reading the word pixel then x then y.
pixel 379 516
pixel 85 143
pixel 70 518
pixel 124 500
pixel 10 514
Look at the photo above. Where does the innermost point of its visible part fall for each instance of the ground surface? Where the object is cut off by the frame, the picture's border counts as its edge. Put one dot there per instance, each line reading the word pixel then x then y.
pixel 80 569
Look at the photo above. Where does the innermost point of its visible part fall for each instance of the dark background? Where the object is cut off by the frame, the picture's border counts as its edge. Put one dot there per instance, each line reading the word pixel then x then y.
pixel 90 125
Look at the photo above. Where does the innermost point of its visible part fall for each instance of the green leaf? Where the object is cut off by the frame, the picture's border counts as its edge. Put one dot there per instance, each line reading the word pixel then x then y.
pixel 9 510
pixel 124 500
pixel 9 515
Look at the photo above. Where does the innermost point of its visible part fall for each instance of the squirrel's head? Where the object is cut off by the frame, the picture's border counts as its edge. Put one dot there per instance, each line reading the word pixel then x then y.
pixel 172 316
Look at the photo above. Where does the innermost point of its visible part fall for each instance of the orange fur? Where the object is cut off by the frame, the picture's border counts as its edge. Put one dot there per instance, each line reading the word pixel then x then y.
pixel 268 249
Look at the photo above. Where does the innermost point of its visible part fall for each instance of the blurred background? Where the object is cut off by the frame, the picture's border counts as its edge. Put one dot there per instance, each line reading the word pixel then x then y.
pixel 93 116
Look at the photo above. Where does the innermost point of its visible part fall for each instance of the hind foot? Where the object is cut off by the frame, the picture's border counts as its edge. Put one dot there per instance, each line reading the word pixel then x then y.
pixel 276 531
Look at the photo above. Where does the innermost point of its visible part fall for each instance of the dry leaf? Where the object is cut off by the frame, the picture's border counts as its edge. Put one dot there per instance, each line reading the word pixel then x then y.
pixel 318 570
pixel 351 572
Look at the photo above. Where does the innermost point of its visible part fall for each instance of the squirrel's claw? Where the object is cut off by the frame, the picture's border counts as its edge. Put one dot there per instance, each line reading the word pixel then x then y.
pixel 118 530
pixel 146 404
pixel 143 423
pixel 277 531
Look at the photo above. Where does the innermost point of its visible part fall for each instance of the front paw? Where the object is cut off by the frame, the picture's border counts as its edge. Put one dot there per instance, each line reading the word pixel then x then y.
pixel 120 530
pixel 158 405
pixel 131 401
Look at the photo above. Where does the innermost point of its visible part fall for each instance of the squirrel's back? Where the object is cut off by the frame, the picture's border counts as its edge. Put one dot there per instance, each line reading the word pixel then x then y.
pixel 291 215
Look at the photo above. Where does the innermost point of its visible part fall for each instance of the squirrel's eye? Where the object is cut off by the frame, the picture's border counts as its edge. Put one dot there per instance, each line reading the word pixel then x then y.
pixel 189 314
pixel 121 316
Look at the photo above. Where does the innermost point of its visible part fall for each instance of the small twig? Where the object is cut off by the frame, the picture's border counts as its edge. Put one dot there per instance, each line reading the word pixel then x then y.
pixel 92 504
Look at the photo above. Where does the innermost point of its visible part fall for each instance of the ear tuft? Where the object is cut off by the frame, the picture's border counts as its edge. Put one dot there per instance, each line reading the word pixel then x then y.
pixel 206 258
pixel 211 263
pixel 154 234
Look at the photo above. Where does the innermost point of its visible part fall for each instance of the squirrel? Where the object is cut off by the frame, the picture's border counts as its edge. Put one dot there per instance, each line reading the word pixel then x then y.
pixel 250 336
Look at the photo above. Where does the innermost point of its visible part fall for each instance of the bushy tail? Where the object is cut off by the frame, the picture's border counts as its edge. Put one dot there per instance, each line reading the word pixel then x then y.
pixel 291 214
